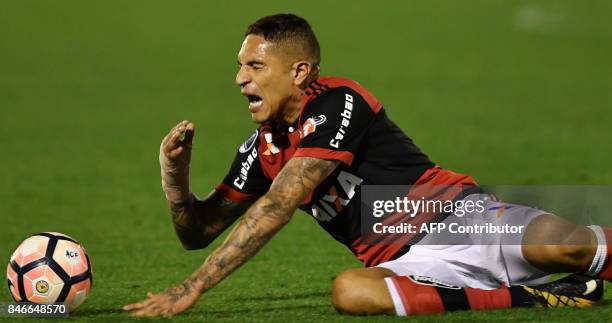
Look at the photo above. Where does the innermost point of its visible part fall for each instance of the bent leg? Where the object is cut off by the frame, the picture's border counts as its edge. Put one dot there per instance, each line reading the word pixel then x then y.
pixel 363 291
pixel 370 291
pixel 555 245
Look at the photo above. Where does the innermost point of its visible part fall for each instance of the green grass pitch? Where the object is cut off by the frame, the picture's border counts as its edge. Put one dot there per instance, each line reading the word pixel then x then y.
pixel 512 92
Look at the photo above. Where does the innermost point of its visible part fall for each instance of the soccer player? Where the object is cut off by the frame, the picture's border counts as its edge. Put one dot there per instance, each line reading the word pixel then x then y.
pixel 319 141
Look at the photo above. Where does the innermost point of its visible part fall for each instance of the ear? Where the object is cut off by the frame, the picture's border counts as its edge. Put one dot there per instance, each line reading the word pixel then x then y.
pixel 300 72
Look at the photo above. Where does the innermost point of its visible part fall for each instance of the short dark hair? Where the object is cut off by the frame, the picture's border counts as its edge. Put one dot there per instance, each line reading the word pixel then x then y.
pixel 288 29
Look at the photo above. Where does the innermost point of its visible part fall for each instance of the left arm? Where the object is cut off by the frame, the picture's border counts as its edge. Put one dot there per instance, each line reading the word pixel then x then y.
pixel 266 217
pixel 263 219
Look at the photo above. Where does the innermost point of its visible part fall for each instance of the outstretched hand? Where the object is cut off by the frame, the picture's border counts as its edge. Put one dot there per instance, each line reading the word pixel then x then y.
pixel 168 303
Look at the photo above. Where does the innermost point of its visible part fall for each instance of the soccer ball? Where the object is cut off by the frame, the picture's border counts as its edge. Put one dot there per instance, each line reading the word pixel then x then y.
pixel 50 267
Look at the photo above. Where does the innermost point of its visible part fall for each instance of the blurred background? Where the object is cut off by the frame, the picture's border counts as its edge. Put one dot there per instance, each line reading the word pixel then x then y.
pixel 511 92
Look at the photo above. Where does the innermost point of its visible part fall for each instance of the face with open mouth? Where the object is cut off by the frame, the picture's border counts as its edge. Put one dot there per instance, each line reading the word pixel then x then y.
pixel 264 78
pixel 255 103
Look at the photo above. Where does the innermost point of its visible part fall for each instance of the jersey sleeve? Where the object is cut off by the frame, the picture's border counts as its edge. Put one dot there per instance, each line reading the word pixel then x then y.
pixel 334 125
pixel 245 179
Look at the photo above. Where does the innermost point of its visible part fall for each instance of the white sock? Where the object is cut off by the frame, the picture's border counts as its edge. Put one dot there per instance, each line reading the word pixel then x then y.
pixel 395 296
pixel 602 251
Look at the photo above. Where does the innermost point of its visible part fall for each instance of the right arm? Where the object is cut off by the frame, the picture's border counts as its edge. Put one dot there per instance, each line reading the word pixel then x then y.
pixel 196 222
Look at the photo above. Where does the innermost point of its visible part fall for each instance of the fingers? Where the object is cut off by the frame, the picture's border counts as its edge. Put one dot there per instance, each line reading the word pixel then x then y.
pixel 141 304
pixel 182 123
pixel 188 134
pixel 148 307
pixel 173 130
pixel 146 312
pixel 161 304
pixel 138 305
pixel 152 309
pixel 180 136
pixel 173 138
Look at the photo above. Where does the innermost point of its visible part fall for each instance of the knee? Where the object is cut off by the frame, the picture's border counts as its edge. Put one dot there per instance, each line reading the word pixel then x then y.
pixel 579 256
pixel 554 245
pixel 345 295
pixel 362 291
pixel 560 258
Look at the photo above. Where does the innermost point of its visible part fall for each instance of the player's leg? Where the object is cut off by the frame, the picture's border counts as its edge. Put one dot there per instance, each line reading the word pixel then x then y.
pixel 363 291
pixel 554 245
pixel 549 244
pixel 377 290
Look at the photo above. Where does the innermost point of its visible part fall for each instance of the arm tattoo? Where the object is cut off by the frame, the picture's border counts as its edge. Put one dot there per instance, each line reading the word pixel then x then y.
pixel 180 291
pixel 264 218
pixel 199 222
pixel 181 219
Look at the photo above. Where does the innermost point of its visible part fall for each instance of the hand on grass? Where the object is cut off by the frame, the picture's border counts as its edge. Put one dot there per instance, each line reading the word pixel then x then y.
pixel 168 303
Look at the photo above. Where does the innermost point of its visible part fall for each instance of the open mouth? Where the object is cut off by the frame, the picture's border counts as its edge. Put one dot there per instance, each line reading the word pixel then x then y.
pixel 255 102
pixel 253 98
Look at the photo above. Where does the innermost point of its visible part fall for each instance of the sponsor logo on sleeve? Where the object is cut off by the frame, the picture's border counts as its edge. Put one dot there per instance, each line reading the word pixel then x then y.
pixel 248 144
pixel 346 121
pixel 244 169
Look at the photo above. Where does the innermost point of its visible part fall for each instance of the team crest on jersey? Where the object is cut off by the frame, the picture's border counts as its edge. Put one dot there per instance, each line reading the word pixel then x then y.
pixel 248 144
pixel 310 125
pixel 429 281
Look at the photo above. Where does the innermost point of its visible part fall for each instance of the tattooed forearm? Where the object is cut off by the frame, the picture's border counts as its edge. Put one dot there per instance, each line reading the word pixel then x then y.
pixel 187 225
pixel 266 217
pixel 198 222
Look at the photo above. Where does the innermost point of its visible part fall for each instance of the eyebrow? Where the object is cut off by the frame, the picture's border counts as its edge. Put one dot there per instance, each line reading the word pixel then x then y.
pixel 252 62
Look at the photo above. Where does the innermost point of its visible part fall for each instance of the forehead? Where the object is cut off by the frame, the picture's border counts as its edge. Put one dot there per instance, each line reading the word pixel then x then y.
pixel 254 47
pixel 257 49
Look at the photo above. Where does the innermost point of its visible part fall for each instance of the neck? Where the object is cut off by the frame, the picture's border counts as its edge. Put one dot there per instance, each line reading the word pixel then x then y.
pixel 293 107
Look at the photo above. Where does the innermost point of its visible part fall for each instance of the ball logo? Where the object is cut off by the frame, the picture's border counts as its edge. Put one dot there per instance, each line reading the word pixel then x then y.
pixel 72 256
pixel 42 287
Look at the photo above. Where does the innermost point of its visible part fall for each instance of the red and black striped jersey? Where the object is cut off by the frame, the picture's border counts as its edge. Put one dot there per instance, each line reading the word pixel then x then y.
pixel 340 120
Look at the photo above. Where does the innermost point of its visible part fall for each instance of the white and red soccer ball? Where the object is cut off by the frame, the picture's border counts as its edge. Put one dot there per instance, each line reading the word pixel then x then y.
pixel 50 267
